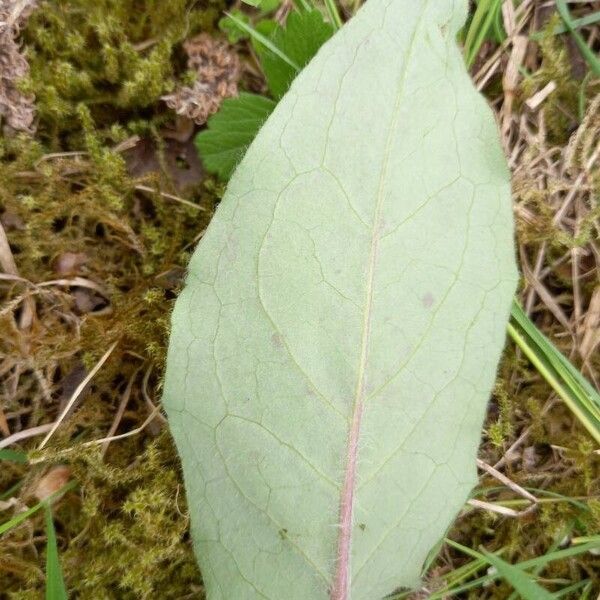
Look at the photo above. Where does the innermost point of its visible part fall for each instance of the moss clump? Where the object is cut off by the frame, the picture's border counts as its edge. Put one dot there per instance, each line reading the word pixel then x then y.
pixel 118 57
pixel 127 537
pixel 559 66
pixel 133 527
pixel 99 261
pixel 123 533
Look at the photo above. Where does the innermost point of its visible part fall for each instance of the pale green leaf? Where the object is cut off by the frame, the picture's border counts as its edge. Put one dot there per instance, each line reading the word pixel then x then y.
pixel 333 351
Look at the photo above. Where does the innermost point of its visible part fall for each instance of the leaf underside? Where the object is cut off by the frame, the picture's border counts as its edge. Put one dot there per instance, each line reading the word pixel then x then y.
pixel 333 351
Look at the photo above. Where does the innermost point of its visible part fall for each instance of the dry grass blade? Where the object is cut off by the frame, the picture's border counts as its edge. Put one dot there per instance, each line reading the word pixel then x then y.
pixel 76 394
pixel 20 436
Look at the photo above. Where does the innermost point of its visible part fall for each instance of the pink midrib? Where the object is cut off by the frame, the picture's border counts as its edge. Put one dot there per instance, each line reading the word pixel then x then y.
pixel 341 583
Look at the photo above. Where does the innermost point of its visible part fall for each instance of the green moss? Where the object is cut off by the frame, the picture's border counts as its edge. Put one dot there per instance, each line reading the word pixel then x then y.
pixel 98 69
pixel 118 57
pixel 126 536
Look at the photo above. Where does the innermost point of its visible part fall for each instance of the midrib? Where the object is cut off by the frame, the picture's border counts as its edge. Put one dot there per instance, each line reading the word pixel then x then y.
pixel 341 583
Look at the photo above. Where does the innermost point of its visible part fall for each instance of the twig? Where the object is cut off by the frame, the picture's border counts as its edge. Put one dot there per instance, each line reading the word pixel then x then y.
pixel 113 438
pixel 9 266
pixel 123 436
pixel 515 487
pixel 25 434
pixel 120 411
pixel 497 508
pixel 145 188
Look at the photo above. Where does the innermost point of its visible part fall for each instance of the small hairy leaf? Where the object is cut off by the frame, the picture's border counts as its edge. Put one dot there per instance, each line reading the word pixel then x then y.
pixel 335 346
pixel 230 131
pixel 304 33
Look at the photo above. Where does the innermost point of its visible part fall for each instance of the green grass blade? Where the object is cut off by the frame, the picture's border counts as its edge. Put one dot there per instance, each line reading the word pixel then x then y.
pixel 303 5
pixel 481 24
pixel 11 490
pixel 587 592
pixel 565 379
pixel 575 24
pixel 534 563
pixel 585 50
pixel 18 519
pixel 575 550
pixel 55 583
pixel 544 496
pixel 265 41
pixel 539 568
pixel 527 587
pixel 13 456
pixel 334 15
pixel 577 393
pixel 566 592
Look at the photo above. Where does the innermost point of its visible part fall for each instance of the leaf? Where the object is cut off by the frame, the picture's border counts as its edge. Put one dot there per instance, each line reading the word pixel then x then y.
pixel 230 131
pixel 13 455
pixel 55 585
pixel 258 37
pixel 304 33
pixel 229 25
pixel 334 349
pixel 521 581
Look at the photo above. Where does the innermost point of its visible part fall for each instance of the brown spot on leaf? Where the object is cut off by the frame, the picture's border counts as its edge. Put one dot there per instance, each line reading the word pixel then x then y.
pixel 427 300
pixel 277 340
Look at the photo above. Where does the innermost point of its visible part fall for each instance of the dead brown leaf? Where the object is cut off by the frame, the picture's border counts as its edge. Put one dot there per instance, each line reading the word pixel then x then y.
pixel 17 109
pixel 217 70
